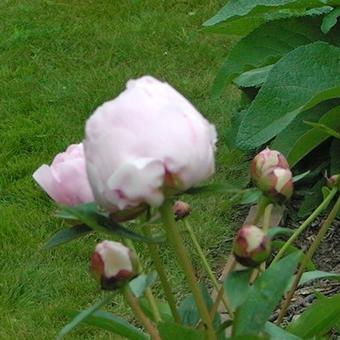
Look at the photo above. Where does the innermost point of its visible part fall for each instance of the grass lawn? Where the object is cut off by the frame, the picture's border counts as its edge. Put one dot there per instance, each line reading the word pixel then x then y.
pixel 58 61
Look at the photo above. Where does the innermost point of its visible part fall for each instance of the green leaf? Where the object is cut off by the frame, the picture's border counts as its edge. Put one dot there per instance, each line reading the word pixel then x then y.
pixel 116 325
pixel 253 78
pixel 81 316
pixel 252 13
pixel 277 333
pixel 312 199
pixel 163 308
pixel 141 282
pixel 102 223
pixel 288 137
pixel 313 137
pixel 220 188
pixel 264 295
pixel 291 88
pixel 335 157
pixel 277 244
pixel 274 231
pixel 188 311
pixel 171 331
pixel 325 129
pixel 265 46
pixel 330 20
pixel 318 319
pixel 236 287
pixel 301 176
pixel 68 234
pixel 318 274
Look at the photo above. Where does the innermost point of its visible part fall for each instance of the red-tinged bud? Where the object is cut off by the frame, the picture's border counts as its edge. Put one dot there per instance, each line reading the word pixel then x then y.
pixel 334 181
pixel 113 264
pixel 265 161
pixel 181 209
pixel 251 246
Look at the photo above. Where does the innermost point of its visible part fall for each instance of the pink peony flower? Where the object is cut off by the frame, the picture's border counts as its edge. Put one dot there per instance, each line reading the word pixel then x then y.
pixel 65 180
pixel 148 140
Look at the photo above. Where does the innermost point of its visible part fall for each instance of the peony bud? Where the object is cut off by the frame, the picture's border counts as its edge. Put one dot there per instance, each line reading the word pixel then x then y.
pixel 147 142
pixel 65 180
pixel 113 264
pixel 334 181
pixel 181 209
pixel 251 246
pixel 270 173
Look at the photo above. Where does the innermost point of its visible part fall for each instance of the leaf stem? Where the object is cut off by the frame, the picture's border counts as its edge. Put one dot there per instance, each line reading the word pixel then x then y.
pixel 133 303
pixel 183 258
pixel 155 255
pixel 313 247
pixel 305 224
pixel 206 266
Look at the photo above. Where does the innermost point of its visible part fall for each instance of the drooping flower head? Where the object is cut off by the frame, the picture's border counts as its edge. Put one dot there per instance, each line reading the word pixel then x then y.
pixel 145 142
pixel 65 180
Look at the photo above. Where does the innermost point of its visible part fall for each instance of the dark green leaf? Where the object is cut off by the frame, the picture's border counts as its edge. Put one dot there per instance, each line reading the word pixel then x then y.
pixel 313 137
pixel 231 131
pixel 288 137
pixel 335 157
pixel 116 325
pixel 67 235
pixel 274 231
pixel 172 331
pixel 317 319
pixel 141 282
pixel 277 333
pixel 83 315
pixel 325 129
pixel 252 13
pixel 102 223
pixel 253 78
pixel 291 88
pixel 163 308
pixel 236 287
pixel 312 199
pixel 277 244
pixel 264 295
pixel 68 215
pixel 265 46
pixel 330 20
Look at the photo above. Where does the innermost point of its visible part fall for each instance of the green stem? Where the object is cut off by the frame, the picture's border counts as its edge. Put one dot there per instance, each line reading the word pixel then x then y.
pixel 183 258
pixel 206 265
pixel 312 249
pixel 261 206
pixel 155 255
pixel 148 292
pixel 305 224
pixel 133 303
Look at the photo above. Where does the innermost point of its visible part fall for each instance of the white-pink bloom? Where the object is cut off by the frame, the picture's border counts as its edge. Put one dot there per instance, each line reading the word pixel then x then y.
pixel 148 138
pixel 65 180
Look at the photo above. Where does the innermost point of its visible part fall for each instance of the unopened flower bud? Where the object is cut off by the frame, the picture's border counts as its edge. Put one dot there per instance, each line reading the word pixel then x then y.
pixel 334 181
pixel 181 209
pixel 251 246
pixel 113 264
pixel 265 161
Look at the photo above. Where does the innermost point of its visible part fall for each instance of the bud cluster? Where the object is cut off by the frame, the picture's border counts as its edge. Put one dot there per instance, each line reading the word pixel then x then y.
pixel 271 174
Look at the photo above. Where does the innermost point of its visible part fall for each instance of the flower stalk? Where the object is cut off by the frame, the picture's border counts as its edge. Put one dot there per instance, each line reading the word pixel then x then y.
pixel 183 258
pixel 134 305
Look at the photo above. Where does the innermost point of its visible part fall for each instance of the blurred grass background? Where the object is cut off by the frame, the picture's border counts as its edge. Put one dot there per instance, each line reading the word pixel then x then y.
pixel 58 61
